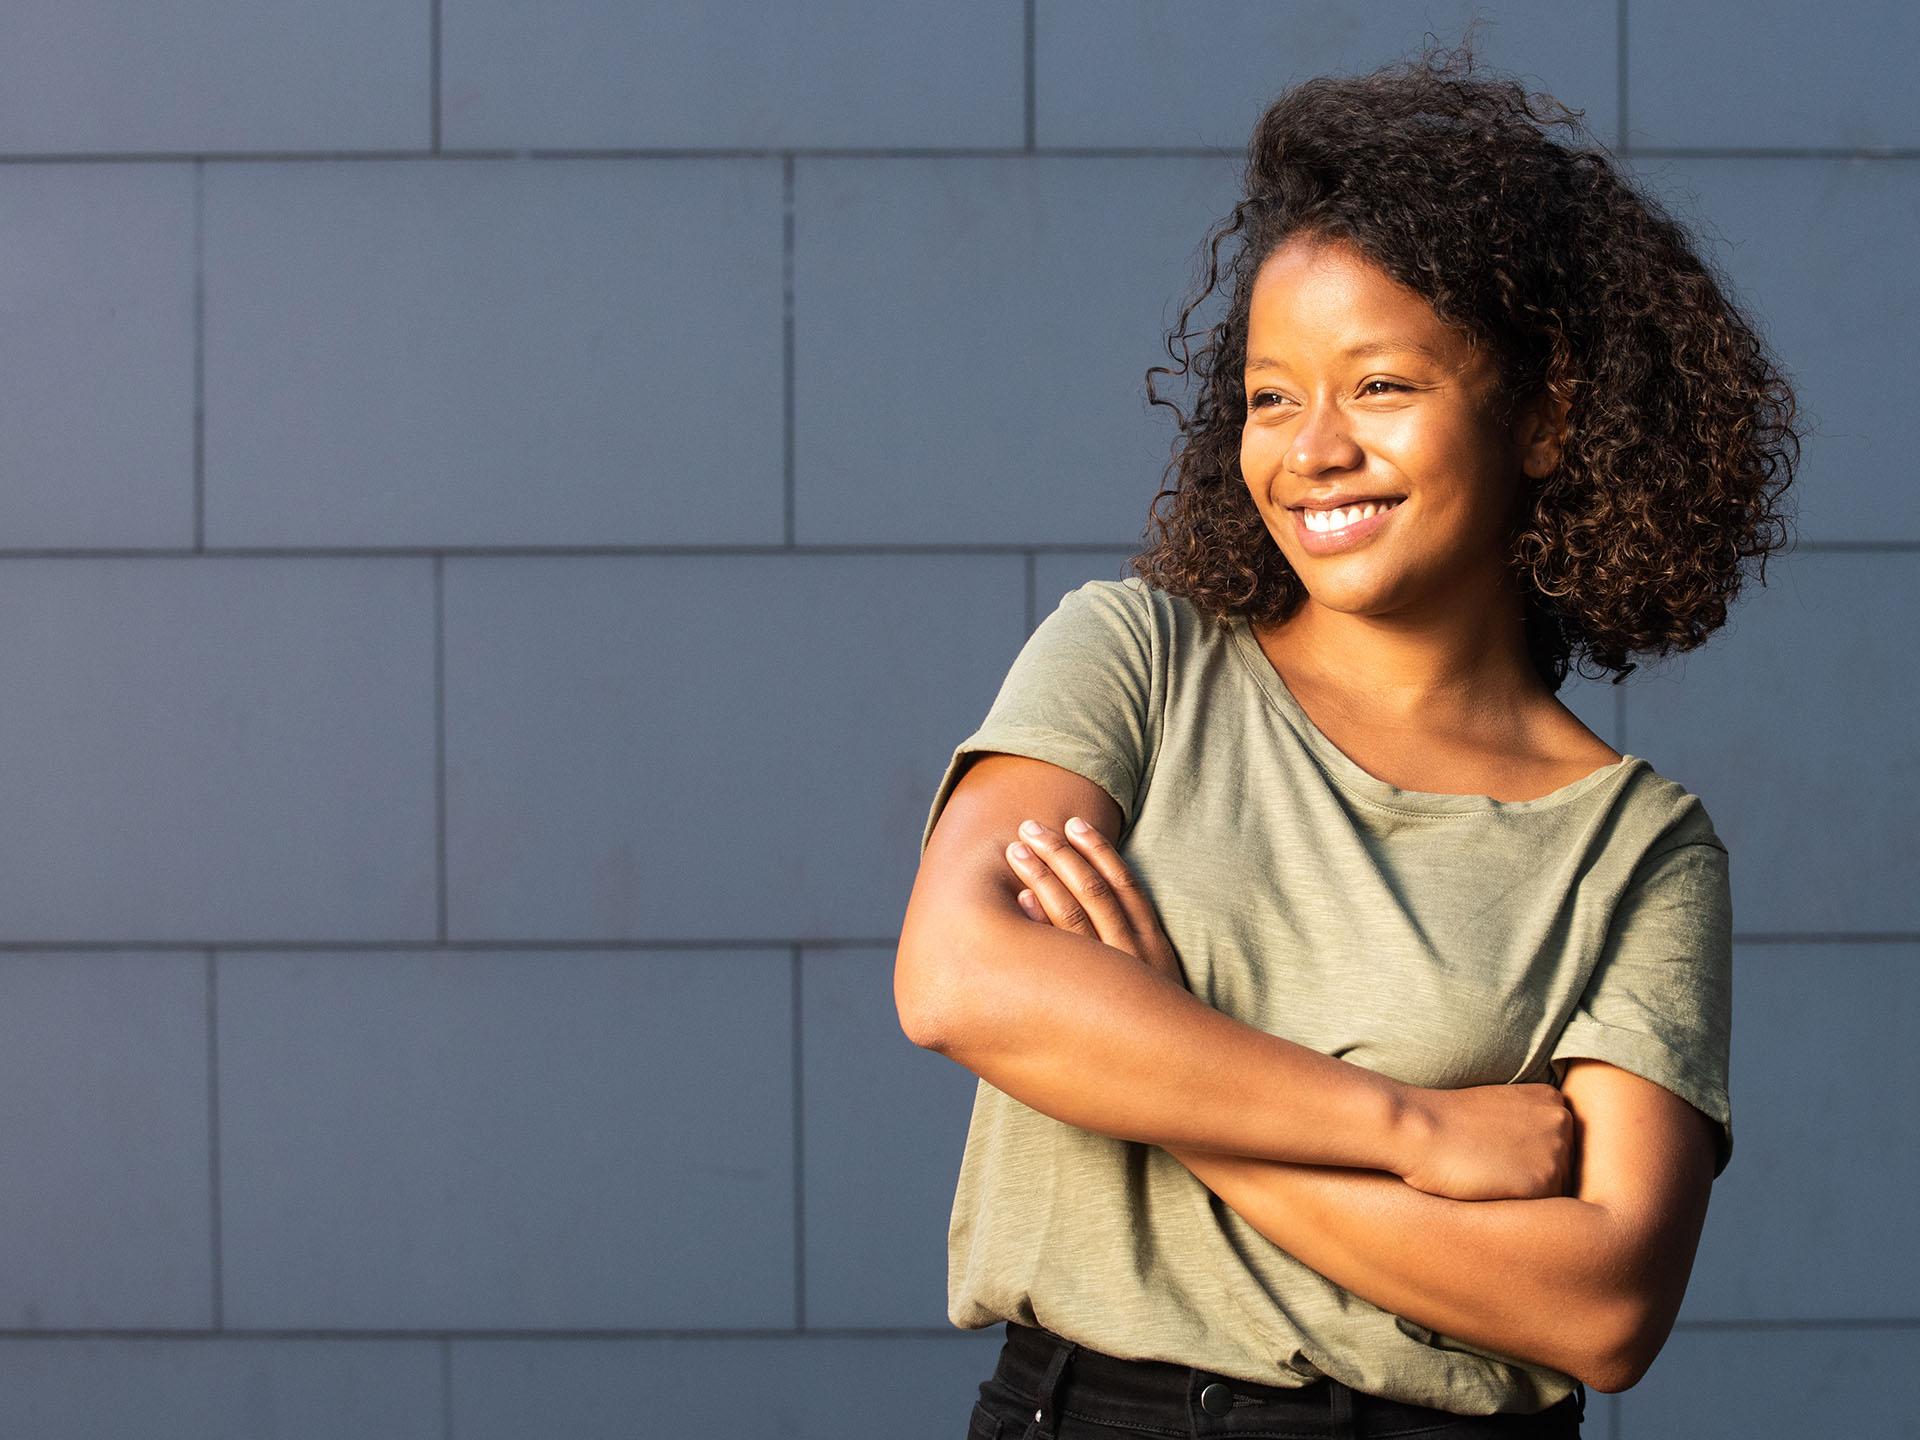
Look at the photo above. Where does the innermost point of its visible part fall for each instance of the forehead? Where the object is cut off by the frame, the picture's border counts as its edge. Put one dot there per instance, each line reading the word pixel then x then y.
pixel 1328 298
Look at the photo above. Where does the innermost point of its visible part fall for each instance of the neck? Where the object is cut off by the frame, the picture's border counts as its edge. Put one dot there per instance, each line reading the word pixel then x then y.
pixel 1443 667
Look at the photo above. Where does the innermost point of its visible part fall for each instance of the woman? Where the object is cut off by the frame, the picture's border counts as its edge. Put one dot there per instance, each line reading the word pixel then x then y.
pixel 1352 1021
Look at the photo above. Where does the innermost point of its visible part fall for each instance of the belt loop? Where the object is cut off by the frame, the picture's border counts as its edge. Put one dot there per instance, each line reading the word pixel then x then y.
pixel 1046 1418
pixel 1342 1408
pixel 1580 1399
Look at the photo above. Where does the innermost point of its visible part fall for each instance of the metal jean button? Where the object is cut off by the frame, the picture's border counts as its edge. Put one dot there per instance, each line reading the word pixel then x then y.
pixel 1216 1399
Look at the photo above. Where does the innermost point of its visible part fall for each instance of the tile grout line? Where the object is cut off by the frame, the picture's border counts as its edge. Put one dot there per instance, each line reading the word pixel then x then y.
pixel 638 550
pixel 433 74
pixel 1620 80
pixel 446 1387
pixel 799 1150
pixel 787 415
pixel 217 1277
pixel 199 356
pixel 875 152
pixel 439 661
pixel 717 550
pixel 1028 78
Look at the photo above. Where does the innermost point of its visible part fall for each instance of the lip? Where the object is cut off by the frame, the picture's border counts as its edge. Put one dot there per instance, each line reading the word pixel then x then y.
pixel 1336 542
pixel 1340 499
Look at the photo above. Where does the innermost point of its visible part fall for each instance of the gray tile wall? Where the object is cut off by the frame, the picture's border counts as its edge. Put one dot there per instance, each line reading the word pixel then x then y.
pixel 507 508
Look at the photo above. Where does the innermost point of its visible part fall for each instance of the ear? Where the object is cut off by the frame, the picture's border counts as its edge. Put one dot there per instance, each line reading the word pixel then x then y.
pixel 1540 434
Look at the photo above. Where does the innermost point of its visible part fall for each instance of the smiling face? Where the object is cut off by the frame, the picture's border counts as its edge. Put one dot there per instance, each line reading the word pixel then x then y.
pixel 1357 389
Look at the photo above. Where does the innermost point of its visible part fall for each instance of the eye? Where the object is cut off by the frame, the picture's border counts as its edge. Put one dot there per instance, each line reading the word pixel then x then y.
pixel 1261 397
pixel 1367 387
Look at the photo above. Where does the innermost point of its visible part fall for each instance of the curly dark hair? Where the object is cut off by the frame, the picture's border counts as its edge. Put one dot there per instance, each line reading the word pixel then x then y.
pixel 1681 433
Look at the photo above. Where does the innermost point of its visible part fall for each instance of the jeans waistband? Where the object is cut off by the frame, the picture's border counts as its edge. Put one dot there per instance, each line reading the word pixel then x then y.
pixel 1058 1375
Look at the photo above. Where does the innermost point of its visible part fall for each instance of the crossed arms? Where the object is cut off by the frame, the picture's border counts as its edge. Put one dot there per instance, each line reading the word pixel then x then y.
pixel 1447 1207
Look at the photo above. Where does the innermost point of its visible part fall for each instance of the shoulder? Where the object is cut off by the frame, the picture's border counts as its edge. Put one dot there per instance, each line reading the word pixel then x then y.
pixel 1662 813
pixel 1097 622
pixel 1130 599
pixel 1164 621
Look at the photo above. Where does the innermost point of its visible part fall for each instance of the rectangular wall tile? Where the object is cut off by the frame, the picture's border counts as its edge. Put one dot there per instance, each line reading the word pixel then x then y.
pixel 222 749
pixel 79 76
pixel 981 376
pixel 1772 74
pixel 577 74
pixel 96 437
pixel 1740 1384
pixel 576 352
pixel 1836 322
pixel 1825 1086
pixel 660 747
pixel 107 1201
pixel 570 1140
pixel 803 1387
pixel 1794 725
pixel 220 1389
pixel 1154 72
pixel 885 1126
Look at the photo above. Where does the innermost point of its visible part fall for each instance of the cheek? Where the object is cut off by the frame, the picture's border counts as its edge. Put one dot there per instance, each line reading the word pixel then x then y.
pixel 1411 442
pixel 1259 455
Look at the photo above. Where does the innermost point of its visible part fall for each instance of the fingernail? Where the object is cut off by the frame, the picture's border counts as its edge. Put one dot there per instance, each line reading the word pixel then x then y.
pixel 1019 851
pixel 1078 826
pixel 1030 827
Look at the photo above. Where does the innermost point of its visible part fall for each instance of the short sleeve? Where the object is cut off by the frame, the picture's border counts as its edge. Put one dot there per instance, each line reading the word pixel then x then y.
pixel 1076 696
pixel 1659 1002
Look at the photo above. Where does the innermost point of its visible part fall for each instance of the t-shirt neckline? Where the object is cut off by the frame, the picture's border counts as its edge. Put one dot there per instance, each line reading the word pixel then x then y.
pixel 1356 781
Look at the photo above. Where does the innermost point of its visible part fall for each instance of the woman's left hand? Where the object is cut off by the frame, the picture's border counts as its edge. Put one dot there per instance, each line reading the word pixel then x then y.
pixel 1077 881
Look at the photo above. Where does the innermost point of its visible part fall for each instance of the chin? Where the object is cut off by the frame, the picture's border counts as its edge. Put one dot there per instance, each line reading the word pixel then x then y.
pixel 1356 592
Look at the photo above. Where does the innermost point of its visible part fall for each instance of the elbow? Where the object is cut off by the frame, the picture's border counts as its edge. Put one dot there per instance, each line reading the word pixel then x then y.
pixel 921 1021
pixel 930 982
pixel 956 987
pixel 923 1018
pixel 1623 1345
pixel 1612 1372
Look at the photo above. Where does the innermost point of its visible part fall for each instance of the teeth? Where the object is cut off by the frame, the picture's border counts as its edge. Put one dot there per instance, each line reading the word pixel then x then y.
pixel 1324 520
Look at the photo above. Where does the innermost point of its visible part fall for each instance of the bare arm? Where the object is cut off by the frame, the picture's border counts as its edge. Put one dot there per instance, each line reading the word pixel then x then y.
pixel 1088 1034
pixel 1588 1284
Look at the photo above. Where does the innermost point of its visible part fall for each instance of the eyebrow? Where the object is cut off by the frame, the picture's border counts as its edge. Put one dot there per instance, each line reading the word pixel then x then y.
pixel 1364 348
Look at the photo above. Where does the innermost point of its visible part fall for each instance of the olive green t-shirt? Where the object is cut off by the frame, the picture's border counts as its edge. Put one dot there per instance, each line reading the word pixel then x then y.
pixel 1445 940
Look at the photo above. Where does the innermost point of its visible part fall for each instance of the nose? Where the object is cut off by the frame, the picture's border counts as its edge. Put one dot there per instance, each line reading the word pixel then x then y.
pixel 1322 443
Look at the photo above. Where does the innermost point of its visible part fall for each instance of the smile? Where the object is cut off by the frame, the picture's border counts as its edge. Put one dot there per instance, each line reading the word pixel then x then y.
pixel 1328 532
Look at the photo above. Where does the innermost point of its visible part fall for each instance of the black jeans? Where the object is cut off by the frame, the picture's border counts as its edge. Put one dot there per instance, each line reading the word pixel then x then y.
pixel 1046 1386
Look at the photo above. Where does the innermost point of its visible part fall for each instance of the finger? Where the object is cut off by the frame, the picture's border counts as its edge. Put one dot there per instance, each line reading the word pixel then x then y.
pixel 1100 853
pixel 1057 901
pixel 1086 889
pixel 1032 907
